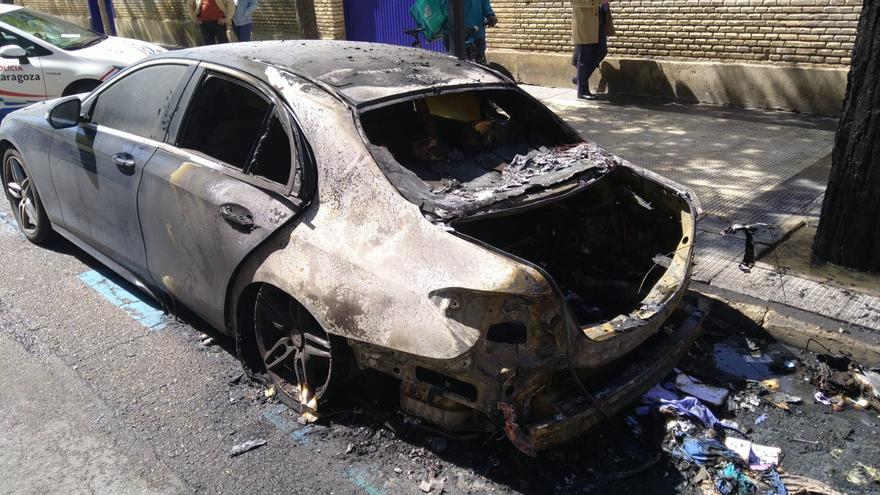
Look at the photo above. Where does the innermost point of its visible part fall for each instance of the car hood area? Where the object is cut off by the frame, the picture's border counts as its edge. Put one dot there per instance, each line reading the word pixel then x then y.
pixel 118 51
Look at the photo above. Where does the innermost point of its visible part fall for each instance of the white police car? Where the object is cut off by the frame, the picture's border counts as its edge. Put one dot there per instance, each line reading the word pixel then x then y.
pixel 43 57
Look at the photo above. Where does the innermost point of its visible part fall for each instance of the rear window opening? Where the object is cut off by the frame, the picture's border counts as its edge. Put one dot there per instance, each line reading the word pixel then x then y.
pixel 456 152
pixel 605 247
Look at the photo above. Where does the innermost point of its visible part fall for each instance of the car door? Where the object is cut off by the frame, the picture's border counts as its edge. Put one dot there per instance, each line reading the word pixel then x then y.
pixel 97 165
pixel 21 80
pixel 230 174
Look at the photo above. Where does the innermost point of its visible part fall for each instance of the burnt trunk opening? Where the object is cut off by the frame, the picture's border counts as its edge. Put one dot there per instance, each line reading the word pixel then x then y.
pixel 605 247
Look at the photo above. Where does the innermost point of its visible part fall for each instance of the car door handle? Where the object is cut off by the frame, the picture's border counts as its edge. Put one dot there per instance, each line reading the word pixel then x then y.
pixel 237 215
pixel 124 162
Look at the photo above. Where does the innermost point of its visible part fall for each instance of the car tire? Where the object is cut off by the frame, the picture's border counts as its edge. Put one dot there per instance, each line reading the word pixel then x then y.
pixel 302 360
pixel 27 208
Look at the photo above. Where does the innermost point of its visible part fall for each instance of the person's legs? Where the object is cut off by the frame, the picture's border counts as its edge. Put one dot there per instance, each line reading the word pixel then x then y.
pixel 220 33
pixel 480 44
pixel 243 33
pixel 207 32
pixel 584 70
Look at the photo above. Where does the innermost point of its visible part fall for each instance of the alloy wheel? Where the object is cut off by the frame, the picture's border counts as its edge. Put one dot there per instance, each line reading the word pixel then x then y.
pixel 20 191
pixel 296 352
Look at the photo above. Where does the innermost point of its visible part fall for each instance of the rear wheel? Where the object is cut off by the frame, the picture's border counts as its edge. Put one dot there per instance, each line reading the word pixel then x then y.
pixel 24 199
pixel 298 355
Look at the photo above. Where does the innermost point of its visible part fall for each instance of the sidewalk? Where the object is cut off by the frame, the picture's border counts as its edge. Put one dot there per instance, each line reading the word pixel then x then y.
pixel 746 166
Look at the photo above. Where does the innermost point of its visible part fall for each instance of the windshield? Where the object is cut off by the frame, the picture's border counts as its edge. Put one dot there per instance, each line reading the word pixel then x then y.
pixel 58 32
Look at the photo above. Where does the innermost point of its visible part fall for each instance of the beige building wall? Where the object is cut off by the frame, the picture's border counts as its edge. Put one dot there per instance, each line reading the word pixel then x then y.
pixel 330 19
pixel 780 32
pixel 787 54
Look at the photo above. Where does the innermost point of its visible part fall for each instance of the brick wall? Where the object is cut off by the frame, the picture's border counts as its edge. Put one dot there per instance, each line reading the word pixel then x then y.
pixel 330 19
pixel 787 32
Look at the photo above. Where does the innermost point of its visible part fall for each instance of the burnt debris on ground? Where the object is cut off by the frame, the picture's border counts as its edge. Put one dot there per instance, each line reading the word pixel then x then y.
pixel 769 430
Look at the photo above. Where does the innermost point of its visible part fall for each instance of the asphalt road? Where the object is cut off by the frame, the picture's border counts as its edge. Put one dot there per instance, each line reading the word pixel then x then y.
pixel 101 393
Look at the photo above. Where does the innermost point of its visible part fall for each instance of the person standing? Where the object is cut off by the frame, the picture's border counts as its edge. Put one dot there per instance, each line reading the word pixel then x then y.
pixel 212 16
pixel 243 20
pixel 475 12
pixel 591 25
pixel 477 15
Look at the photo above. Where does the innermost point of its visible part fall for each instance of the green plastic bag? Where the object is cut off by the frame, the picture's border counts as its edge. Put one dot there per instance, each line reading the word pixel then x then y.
pixel 430 15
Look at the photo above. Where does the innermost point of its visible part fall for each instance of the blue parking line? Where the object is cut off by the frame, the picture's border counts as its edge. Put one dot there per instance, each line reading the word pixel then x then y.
pixel 298 433
pixel 132 304
pixel 359 478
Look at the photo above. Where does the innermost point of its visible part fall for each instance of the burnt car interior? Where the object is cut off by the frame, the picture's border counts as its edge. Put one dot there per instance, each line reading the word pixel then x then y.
pixel 464 136
pixel 604 246
pixel 232 123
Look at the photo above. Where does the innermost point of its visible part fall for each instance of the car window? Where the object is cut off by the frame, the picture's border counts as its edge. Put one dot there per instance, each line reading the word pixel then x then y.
pixel 33 50
pixel 231 122
pixel 58 32
pixel 140 102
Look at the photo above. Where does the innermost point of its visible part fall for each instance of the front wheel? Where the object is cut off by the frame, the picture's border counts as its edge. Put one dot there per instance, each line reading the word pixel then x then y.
pixel 24 199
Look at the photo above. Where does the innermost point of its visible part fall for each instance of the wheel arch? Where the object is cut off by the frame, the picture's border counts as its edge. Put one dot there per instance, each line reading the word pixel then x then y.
pixel 85 81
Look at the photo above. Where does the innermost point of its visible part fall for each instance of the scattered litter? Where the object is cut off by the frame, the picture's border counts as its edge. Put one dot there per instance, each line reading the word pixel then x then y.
pixel 782 400
pixel 744 400
pixel 857 404
pixel 873 472
pixel 691 386
pixel 680 428
pixel 692 408
pixel 835 452
pixel 704 451
pixel 246 446
pixel 349 448
pixel 771 384
pixel 801 485
pixel 658 393
pixel 760 419
pixel 752 453
pixel 822 398
pixel 269 392
pixel 398 470
pixel 731 425
pixel 432 484
pixel 855 476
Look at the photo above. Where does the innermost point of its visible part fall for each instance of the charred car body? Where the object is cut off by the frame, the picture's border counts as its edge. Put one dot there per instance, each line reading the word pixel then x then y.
pixel 341 206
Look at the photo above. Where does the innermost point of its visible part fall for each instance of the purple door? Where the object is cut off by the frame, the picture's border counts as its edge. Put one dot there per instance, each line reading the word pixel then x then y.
pixel 382 21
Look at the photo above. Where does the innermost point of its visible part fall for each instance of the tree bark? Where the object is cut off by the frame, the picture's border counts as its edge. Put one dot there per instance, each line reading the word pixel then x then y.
pixel 849 228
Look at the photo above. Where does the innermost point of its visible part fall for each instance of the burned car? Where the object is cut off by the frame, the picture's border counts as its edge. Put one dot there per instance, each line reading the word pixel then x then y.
pixel 338 207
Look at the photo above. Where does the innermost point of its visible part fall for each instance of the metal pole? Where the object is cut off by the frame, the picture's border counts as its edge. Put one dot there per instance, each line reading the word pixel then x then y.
pixel 456 28
pixel 105 19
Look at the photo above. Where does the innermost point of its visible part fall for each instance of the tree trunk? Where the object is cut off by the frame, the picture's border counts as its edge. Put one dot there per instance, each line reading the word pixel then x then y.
pixel 849 228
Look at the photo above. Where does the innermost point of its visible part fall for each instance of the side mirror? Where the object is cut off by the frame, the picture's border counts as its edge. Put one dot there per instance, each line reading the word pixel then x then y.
pixel 13 51
pixel 65 114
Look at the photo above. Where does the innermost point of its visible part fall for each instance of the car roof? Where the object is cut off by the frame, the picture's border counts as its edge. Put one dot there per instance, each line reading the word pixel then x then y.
pixel 359 73
pixel 5 7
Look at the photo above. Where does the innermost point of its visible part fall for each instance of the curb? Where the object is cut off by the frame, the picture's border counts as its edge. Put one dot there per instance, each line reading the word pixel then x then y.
pixel 798 328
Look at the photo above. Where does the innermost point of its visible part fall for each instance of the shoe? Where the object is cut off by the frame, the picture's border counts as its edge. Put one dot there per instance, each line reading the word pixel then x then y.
pixel 588 96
